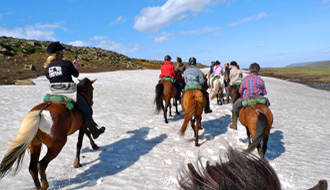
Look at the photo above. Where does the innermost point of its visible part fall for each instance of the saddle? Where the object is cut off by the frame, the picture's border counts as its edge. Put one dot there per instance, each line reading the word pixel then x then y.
pixel 236 84
pixel 60 99
pixel 193 87
pixel 172 80
pixel 252 102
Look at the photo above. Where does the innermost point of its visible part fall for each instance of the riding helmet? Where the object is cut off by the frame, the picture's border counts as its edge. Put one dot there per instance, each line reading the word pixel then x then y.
pixel 192 61
pixel 233 63
pixel 54 48
pixel 254 68
pixel 179 60
pixel 217 62
pixel 167 58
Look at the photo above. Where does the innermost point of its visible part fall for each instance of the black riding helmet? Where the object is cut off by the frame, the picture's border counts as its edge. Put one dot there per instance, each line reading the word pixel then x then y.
pixel 254 68
pixel 167 58
pixel 233 63
pixel 179 60
pixel 192 61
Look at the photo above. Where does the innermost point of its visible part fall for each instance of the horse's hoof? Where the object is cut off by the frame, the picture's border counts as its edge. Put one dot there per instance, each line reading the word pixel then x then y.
pixel 166 121
pixel 77 165
pixel 94 146
pixel 233 126
pixel 198 145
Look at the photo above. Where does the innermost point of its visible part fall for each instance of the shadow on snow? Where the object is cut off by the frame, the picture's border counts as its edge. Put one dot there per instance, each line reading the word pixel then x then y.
pixel 113 159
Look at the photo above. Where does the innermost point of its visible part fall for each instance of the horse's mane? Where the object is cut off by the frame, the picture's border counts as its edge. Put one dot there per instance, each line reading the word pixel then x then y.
pixel 241 171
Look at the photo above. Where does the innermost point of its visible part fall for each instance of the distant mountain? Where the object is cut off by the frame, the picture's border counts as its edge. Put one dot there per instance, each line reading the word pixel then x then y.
pixel 311 64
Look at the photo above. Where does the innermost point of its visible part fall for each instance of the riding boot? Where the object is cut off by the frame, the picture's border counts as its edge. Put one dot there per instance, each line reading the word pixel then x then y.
pixel 207 107
pixel 94 130
pixel 234 120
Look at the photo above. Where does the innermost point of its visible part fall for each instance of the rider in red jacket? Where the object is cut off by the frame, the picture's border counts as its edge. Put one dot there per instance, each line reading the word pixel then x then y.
pixel 167 70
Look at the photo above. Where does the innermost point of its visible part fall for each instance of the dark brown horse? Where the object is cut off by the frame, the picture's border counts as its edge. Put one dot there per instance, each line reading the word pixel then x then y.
pixel 258 120
pixel 48 124
pixel 165 90
pixel 238 171
pixel 193 102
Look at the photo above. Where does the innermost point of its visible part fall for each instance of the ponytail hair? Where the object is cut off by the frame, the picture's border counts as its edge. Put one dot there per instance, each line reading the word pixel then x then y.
pixel 53 57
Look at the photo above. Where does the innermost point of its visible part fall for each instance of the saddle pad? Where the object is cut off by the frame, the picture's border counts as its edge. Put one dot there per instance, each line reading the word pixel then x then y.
pixel 236 84
pixel 167 79
pixel 193 87
pixel 60 99
pixel 250 102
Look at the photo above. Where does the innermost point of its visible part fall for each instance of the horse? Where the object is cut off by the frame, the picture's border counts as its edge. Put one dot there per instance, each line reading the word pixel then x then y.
pixel 219 86
pixel 182 83
pixel 258 120
pixel 48 124
pixel 193 102
pixel 238 171
pixel 165 90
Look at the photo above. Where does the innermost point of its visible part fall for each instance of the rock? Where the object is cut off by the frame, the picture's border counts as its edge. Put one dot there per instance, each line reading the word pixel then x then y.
pixel 30 67
pixel 24 82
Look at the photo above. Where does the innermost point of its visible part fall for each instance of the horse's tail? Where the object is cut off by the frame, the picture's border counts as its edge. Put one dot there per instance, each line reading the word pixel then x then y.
pixel 262 123
pixel 27 131
pixel 158 99
pixel 190 109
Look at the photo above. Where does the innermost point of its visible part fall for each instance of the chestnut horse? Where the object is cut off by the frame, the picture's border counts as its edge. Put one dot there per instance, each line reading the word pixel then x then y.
pixel 165 90
pixel 258 120
pixel 193 102
pixel 48 124
pixel 238 171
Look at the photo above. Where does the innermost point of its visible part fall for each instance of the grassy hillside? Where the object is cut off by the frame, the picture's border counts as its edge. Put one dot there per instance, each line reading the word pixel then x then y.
pixel 317 77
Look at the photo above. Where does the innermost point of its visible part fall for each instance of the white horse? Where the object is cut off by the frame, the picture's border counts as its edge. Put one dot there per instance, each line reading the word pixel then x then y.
pixel 218 88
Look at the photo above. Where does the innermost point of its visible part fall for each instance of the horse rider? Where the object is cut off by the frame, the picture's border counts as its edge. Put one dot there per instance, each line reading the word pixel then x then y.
pixel 193 75
pixel 211 69
pixel 217 72
pixel 59 72
pixel 167 70
pixel 252 86
pixel 235 78
pixel 180 66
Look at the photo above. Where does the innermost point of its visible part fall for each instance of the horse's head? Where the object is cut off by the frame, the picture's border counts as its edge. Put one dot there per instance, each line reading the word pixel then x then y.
pixel 85 88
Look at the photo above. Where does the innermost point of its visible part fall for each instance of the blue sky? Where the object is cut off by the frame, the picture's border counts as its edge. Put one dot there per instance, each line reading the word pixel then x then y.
pixel 273 33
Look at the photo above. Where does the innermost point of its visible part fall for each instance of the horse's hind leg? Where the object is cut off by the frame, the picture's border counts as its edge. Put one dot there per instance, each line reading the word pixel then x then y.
pixel 88 134
pixel 79 144
pixel 197 127
pixel 35 148
pixel 52 152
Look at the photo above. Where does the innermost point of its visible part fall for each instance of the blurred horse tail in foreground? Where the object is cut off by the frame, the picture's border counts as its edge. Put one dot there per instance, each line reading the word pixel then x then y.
pixel 165 90
pixel 49 124
pixel 258 120
pixel 237 171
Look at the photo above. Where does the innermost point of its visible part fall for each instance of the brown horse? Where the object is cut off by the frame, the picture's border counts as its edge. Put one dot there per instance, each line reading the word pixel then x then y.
pixel 238 171
pixel 165 90
pixel 48 124
pixel 258 120
pixel 193 102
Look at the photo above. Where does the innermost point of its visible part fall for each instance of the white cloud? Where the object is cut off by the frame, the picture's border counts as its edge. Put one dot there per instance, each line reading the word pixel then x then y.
pixel 79 43
pixel 162 37
pixel 35 32
pixel 154 18
pixel 97 38
pixel 118 20
pixel 254 17
pixel 28 32
pixel 118 47
pixel 204 30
